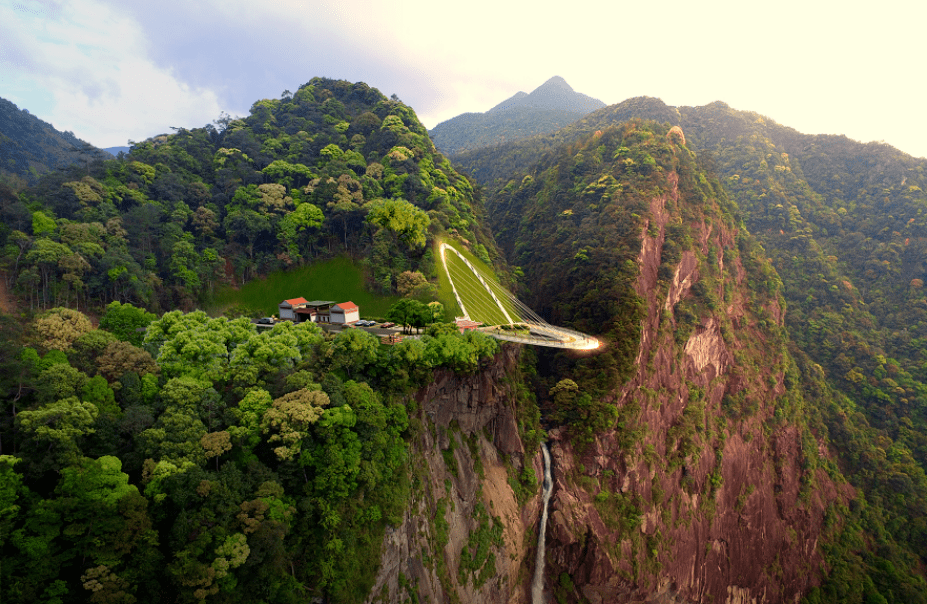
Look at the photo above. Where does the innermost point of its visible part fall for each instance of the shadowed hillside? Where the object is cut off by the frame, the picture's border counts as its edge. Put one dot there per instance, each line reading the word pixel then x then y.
pixel 30 147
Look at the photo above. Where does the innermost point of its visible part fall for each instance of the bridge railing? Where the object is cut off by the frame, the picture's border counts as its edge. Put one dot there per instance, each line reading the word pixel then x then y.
pixel 553 337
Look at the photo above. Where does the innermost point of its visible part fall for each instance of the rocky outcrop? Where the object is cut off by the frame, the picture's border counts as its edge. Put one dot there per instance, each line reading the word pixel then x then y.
pixel 475 402
pixel 465 537
pixel 710 489
pixel 718 497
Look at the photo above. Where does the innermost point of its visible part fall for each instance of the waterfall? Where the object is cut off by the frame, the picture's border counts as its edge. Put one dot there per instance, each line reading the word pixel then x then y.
pixel 537 586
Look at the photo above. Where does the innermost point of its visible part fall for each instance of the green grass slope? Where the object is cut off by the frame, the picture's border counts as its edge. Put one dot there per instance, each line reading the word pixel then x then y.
pixel 339 279
pixel 480 305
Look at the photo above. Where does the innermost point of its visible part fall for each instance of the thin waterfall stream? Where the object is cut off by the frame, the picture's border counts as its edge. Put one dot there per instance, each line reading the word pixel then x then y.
pixel 537 586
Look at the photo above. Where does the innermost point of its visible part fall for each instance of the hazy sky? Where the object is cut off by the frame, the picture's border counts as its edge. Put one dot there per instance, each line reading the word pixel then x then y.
pixel 112 70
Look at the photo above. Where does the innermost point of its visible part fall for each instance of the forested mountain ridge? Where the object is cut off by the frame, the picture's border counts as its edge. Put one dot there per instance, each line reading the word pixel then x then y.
pixel 30 147
pixel 188 457
pixel 334 168
pixel 842 222
pixel 549 107
pixel 493 165
pixel 624 229
pixel 234 465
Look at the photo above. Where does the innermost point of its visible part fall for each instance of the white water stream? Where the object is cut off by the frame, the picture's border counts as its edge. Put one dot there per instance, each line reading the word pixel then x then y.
pixel 537 586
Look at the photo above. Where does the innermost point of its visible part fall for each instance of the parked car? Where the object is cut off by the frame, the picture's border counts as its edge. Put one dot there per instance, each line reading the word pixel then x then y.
pixel 266 321
pixel 388 324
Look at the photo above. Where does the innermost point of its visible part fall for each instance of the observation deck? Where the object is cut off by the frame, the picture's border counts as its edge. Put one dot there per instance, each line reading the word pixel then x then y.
pixel 482 299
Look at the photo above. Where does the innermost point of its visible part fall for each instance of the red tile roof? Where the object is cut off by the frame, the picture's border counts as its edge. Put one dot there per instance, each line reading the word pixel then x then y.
pixel 296 301
pixel 467 324
pixel 347 306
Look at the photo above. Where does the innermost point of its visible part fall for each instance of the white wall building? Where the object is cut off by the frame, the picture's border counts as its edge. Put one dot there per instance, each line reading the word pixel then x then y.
pixel 345 312
pixel 288 308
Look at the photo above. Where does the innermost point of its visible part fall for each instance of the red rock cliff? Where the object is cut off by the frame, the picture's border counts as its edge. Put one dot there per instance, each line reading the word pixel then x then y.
pixel 716 497
pixel 711 490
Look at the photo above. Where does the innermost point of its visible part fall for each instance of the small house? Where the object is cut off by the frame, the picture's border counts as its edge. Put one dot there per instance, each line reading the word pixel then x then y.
pixel 345 312
pixel 288 308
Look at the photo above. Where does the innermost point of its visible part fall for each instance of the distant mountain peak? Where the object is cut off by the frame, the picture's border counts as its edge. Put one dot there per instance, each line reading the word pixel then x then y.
pixel 556 82
pixel 549 107
pixel 555 93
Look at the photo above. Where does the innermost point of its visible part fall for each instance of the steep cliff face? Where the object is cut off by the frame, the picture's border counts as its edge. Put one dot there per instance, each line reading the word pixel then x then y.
pixel 466 537
pixel 712 491
pixel 711 485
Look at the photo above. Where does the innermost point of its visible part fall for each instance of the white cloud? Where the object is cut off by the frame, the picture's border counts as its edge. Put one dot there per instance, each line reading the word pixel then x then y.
pixel 110 70
pixel 87 71
pixel 140 99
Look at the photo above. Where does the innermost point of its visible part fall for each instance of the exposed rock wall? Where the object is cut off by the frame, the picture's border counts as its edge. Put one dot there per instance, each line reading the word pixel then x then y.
pixel 711 490
pixel 461 486
pixel 730 503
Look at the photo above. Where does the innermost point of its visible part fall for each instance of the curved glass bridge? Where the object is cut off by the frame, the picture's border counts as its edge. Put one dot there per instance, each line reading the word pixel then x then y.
pixel 483 300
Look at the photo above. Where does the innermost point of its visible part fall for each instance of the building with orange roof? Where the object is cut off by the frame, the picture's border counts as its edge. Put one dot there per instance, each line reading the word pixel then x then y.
pixel 345 312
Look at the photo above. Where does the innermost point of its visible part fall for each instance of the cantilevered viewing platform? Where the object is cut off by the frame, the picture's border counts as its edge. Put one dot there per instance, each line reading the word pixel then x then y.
pixel 482 299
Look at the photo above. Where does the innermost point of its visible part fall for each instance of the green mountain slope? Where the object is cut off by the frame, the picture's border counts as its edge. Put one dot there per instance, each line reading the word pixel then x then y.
pixel 843 223
pixel 625 234
pixel 30 147
pixel 334 168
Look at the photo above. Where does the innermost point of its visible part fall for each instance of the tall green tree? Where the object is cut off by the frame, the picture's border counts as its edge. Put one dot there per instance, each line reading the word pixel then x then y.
pixel 407 222
pixel 60 426
pixel 353 350
pixel 126 322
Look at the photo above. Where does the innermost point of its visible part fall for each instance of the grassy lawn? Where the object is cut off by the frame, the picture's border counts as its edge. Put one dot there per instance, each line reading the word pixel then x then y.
pixel 338 279
pixel 480 305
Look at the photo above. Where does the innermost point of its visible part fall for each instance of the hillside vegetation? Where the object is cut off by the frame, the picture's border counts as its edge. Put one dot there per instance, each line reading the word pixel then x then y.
pixel 174 456
pixel 30 147
pixel 843 224
pixel 207 461
pixel 753 426
pixel 335 168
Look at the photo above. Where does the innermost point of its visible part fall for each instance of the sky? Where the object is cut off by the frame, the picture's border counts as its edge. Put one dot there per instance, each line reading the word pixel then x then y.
pixel 112 71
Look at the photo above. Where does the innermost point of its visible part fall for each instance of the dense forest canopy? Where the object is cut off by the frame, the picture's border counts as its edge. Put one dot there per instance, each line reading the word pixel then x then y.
pixel 166 454
pixel 333 168
pixel 206 458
